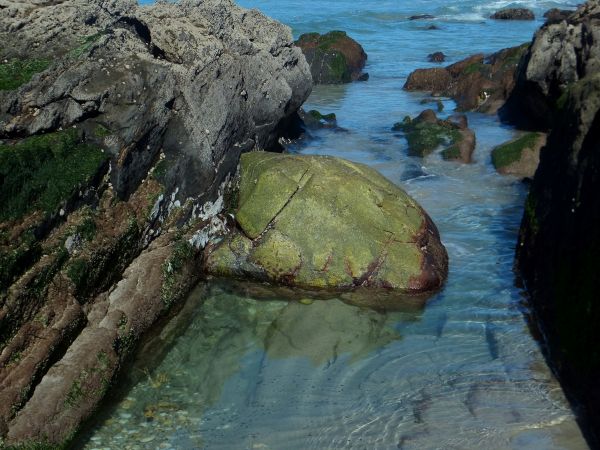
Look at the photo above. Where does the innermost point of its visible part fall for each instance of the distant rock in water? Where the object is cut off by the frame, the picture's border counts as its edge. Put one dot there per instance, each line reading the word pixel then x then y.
pixel 561 54
pixel 556 15
pixel 425 133
pixel 519 157
pixel 559 241
pixel 421 17
pixel 327 223
pixel 120 128
pixel 333 57
pixel 436 57
pixel 475 83
pixel 513 14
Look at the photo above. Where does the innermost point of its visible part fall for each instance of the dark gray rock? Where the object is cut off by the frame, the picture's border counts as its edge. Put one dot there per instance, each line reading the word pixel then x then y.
pixel 561 54
pixel 559 244
pixel 513 14
pixel 200 81
pixel 436 57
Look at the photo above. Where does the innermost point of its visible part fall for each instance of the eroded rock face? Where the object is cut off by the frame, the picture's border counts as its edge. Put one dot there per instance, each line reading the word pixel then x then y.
pixel 475 83
pixel 322 222
pixel 561 54
pixel 558 247
pixel 333 57
pixel 199 81
pixel 120 126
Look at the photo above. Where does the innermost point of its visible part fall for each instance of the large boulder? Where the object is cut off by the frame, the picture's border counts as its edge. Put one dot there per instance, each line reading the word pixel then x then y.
pixel 120 126
pixel 559 244
pixel 513 14
pixel 475 83
pixel 561 54
pixel 333 57
pixel 321 222
pixel 426 133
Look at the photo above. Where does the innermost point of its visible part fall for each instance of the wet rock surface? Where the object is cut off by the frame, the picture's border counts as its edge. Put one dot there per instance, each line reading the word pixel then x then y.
pixel 426 133
pixel 333 57
pixel 476 83
pixel 120 126
pixel 520 156
pixel 559 87
pixel 558 244
pixel 322 222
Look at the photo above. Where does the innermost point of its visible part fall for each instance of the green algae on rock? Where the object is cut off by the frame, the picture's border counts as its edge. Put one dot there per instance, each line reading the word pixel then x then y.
pixel 519 156
pixel 333 57
pixel 322 222
pixel 425 133
pixel 15 73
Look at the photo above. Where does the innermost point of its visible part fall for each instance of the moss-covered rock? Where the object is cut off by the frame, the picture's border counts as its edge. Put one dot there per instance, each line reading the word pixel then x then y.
pixel 426 133
pixel 17 72
pixel 41 172
pixel 476 83
pixel 322 222
pixel 519 157
pixel 314 119
pixel 333 57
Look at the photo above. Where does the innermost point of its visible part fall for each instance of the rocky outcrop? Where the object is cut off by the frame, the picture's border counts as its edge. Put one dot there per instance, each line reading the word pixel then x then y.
pixel 120 126
pixel 556 15
pixel 558 246
pixel 513 14
pixel 519 157
pixel 475 83
pixel 318 222
pixel 561 54
pixel 560 232
pixel 333 57
pixel 426 133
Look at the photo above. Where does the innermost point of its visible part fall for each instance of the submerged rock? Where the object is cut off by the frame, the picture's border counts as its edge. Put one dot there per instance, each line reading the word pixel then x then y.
pixel 513 14
pixel 561 54
pixel 436 57
pixel 314 119
pixel 322 222
pixel 475 83
pixel 333 57
pixel 519 157
pixel 425 133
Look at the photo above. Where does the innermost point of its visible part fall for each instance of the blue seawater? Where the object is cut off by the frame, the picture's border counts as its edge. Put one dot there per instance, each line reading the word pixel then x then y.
pixel 464 372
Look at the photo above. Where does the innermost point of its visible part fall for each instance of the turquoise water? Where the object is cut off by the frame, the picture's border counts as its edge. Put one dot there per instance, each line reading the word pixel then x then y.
pixel 236 371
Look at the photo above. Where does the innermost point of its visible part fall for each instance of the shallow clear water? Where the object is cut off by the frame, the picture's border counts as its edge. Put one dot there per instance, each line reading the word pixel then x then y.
pixel 463 372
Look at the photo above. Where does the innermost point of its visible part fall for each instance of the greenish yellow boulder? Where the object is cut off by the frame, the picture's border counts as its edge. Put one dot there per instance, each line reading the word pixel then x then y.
pixel 323 222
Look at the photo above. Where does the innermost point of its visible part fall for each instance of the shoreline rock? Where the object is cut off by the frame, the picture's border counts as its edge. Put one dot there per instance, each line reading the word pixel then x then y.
pixel 318 222
pixel 475 83
pixel 334 57
pixel 560 55
pixel 519 157
pixel 559 240
pixel 119 138
pixel 513 14
pixel 425 133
